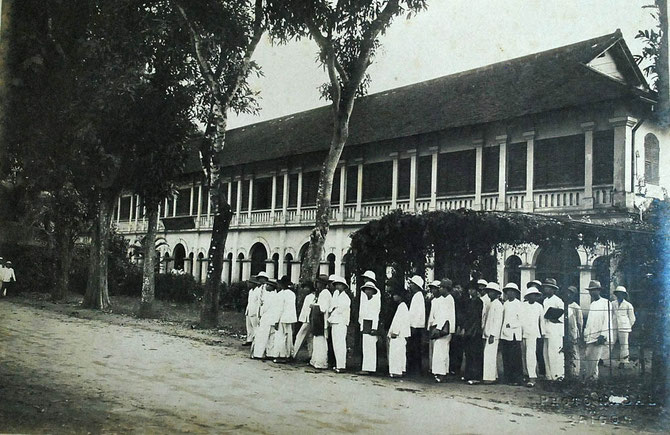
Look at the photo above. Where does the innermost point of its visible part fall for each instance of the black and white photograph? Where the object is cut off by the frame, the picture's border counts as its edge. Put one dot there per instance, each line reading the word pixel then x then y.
pixel 334 216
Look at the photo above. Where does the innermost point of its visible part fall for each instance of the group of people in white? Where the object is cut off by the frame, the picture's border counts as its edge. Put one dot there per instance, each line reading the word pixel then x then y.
pixel 444 322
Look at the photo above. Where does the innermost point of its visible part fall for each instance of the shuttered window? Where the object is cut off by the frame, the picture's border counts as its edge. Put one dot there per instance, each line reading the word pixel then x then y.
pixel 352 184
pixel 456 173
pixel 559 162
pixel 404 172
pixel 245 195
pixel 293 190
pixel 377 181
pixel 183 202
pixel 335 193
pixel 262 193
pixel 603 157
pixel 516 166
pixel 490 168
pixel 424 169
pixel 651 159
pixel 310 187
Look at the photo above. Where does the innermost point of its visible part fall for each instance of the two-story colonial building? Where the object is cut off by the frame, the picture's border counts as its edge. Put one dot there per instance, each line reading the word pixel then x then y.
pixel 568 131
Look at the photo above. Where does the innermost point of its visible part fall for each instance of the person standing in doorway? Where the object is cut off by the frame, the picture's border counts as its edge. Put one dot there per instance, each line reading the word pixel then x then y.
pixel 417 323
pixel 369 325
pixel 553 331
pixel 624 319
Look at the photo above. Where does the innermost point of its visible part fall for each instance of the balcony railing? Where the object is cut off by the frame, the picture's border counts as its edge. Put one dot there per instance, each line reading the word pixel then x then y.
pixel 543 201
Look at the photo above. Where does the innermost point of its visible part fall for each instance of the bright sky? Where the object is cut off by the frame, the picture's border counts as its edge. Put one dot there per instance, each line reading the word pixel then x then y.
pixel 451 36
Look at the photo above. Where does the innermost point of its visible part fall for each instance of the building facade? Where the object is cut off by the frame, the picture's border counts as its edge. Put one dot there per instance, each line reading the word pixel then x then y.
pixel 566 132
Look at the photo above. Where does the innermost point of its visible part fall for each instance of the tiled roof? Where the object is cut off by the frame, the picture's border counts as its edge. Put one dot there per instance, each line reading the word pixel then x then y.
pixel 536 83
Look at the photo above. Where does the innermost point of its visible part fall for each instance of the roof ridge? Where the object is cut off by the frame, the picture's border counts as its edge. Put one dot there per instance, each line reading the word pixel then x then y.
pixel 564 48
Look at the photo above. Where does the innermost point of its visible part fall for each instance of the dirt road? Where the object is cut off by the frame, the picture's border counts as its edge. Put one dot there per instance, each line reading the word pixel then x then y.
pixel 65 374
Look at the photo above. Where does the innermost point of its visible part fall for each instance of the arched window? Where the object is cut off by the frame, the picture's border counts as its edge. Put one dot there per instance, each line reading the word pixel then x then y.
pixel 512 270
pixel 179 253
pixel 651 159
pixel 288 260
pixel 230 268
pixel 199 267
pixel 331 264
pixel 275 261
pixel 168 263
pixel 303 253
pixel 189 266
pixel 560 264
pixel 240 269
pixel 259 255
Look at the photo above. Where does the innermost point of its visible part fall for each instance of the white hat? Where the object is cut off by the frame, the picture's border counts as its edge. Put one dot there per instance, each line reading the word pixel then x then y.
pixel 493 286
pixel 337 279
pixel 262 274
pixel 434 284
pixel 482 282
pixel 620 289
pixel 370 286
pixel 534 282
pixel 511 286
pixel 370 275
pixel 533 291
pixel 416 279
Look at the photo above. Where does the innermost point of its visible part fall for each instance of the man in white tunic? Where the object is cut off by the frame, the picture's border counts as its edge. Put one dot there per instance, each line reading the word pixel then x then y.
pixel 284 336
pixel 338 318
pixel 433 295
pixel 369 323
pixel 533 319
pixel 252 312
pixel 575 328
pixel 442 328
pixel 319 323
pixel 492 321
pixel 597 330
pixel 511 335
pixel 552 332
pixel 624 319
pixel 398 333
pixel 270 313
pixel 305 329
pixel 417 323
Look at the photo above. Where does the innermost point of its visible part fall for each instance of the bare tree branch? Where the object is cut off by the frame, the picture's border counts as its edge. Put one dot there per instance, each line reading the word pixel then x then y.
pixel 325 44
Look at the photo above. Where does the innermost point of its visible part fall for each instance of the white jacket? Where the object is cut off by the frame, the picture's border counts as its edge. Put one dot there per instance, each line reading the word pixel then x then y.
pixel 340 309
pixel 400 323
pixel 254 301
pixel 533 320
pixel 493 319
pixel 370 309
pixel 287 298
pixel 512 321
pixel 442 311
pixel 271 309
pixel 624 316
pixel 417 311
pixel 598 323
pixel 310 300
pixel 551 329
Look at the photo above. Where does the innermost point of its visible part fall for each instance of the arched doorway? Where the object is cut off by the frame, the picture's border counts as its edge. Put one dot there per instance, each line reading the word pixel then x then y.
pixel 229 259
pixel 259 256
pixel 189 265
pixel 288 261
pixel 331 264
pixel 303 253
pixel 275 261
pixel 560 264
pixel 179 254
pixel 513 270
pixel 201 257
pixel 240 269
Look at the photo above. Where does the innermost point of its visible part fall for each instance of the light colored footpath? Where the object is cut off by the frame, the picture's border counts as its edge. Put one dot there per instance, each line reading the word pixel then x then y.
pixel 179 385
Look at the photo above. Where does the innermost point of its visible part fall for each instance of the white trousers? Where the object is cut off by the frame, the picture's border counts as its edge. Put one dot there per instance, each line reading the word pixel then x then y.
pixel 283 341
pixel 340 344
pixel 529 347
pixel 594 353
pixel 491 360
pixel 252 324
pixel 263 342
pixel 369 353
pixel 397 355
pixel 440 363
pixel 624 348
pixel 553 358
pixel 319 352
pixel 303 333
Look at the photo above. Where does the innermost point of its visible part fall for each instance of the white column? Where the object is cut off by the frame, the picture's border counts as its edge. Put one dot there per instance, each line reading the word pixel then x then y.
pixel 174 206
pixel 412 179
pixel 394 182
pixel 251 200
pixel 238 204
pixel 502 172
pixel 246 269
pixel 118 211
pixel 282 263
pixel 190 202
pixel 199 210
pixel 433 178
pixel 284 203
pixel 166 207
pixel 587 199
pixel 226 270
pixel 529 201
pixel 274 197
pixel 359 190
pixel 130 209
pixel 343 187
pixel 137 209
pixel 479 156
pixel 299 198
pixel 623 161
pixel 270 267
pixel 295 270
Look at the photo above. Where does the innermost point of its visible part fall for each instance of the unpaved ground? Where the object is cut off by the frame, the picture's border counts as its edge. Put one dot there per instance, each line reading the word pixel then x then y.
pixel 64 373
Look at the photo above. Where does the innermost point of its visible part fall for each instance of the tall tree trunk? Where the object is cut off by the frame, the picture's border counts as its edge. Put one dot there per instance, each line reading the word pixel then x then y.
pixel 317 238
pixel 63 262
pixel 662 67
pixel 97 291
pixel 148 271
pixel 223 214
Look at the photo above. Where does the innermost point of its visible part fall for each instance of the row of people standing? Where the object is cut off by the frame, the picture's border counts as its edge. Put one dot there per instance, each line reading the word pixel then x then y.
pixel 460 329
